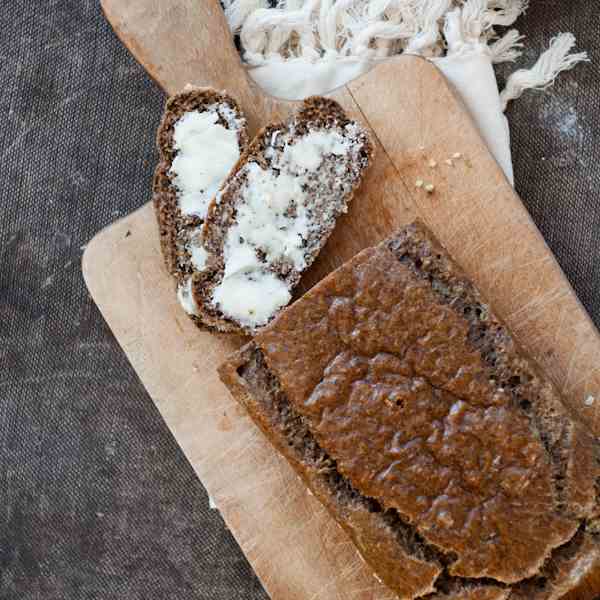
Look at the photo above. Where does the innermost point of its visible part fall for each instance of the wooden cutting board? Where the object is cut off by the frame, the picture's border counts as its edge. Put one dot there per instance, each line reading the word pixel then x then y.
pixel 296 549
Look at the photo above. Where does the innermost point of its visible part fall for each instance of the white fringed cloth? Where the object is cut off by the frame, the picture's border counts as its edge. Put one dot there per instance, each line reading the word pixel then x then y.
pixel 304 47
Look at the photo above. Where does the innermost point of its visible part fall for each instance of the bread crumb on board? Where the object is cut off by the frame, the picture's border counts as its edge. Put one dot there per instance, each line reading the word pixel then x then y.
pixel 589 401
pixel 428 187
pixel 457 155
pixel 432 163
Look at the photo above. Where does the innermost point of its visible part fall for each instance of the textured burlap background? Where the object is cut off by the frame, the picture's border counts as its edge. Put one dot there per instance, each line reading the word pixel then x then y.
pixel 96 501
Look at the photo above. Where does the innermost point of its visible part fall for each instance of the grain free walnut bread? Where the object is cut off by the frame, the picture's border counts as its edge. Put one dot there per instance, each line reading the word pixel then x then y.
pixel 201 136
pixel 275 212
pixel 413 415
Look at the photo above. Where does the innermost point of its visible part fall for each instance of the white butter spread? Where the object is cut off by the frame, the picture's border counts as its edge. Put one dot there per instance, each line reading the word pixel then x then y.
pixel 263 221
pixel 198 256
pixel 206 152
pixel 276 217
pixel 251 298
pixel 186 297
pixel 307 153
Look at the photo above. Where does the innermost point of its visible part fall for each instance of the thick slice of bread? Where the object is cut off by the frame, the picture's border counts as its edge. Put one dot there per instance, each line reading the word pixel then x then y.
pixel 381 538
pixel 276 211
pixel 418 401
pixel 200 138
pixel 397 553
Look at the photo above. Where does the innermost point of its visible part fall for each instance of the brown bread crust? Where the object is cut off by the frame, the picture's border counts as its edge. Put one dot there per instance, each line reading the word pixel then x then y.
pixel 564 571
pixel 407 382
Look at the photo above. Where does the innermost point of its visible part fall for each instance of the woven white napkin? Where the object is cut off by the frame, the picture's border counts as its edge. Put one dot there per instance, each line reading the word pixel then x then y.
pixel 305 47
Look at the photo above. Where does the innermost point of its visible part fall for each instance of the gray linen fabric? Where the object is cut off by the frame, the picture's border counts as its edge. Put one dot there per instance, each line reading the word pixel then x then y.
pixel 96 500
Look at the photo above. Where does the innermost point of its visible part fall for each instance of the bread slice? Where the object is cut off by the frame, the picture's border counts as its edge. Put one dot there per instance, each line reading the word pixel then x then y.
pixel 381 538
pixel 276 211
pixel 396 375
pixel 200 138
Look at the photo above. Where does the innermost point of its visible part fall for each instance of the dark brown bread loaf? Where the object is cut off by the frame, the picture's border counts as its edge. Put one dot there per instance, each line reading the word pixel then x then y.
pixel 276 211
pixel 181 209
pixel 392 388
pixel 380 536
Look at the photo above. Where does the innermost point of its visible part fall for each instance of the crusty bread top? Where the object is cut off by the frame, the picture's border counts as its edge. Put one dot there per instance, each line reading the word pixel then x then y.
pixel 176 229
pixel 321 156
pixel 426 403
pixel 392 547
pixel 385 543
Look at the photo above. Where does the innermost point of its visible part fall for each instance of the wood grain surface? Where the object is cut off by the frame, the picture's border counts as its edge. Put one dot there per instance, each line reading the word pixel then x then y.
pixel 295 548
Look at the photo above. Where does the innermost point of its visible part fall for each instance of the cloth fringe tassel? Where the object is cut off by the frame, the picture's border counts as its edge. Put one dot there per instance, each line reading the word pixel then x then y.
pixel 542 75
pixel 330 29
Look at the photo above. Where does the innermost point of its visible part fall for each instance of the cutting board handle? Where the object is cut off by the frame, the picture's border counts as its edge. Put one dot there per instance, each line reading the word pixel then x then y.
pixel 179 42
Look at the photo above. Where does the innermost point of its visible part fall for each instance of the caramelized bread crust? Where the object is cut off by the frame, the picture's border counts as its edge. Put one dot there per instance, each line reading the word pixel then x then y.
pixel 423 405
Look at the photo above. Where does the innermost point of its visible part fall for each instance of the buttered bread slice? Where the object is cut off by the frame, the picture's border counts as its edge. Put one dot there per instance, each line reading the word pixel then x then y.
pixel 275 212
pixel 201 136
